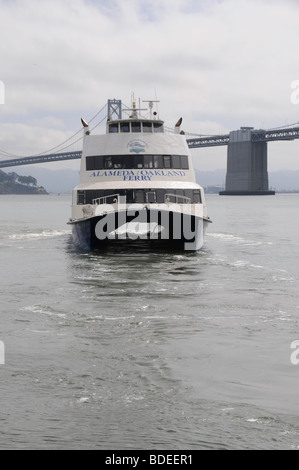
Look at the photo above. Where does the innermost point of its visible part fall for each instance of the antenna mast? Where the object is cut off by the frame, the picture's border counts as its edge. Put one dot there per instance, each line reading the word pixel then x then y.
pixel 151 105
pixel 134 110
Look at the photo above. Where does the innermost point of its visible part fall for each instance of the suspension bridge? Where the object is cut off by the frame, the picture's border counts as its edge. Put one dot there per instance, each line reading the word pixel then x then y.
pixel 247 152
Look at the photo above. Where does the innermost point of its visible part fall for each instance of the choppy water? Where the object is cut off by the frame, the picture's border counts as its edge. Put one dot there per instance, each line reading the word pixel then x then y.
pixel 141 350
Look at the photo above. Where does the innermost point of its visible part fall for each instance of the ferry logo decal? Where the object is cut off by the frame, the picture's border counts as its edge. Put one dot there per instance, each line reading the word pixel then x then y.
pixel 137 146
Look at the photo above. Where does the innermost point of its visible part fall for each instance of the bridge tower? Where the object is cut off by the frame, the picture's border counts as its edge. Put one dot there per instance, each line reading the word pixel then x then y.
pixel 114 107
pixel 247 165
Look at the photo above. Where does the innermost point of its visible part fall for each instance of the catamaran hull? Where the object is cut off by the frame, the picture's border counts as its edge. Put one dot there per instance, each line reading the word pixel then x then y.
pixel 182 232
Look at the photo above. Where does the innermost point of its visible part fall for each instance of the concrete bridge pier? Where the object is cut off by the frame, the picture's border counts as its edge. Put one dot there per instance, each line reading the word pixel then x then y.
pixel 247 165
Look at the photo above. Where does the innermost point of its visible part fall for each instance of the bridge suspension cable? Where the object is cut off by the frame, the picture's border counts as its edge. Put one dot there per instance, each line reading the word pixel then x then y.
pixel 284 127
pixel 94 122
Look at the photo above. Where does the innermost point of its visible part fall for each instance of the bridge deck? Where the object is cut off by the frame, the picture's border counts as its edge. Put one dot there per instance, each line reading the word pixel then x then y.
pixel 199 142
pixel 55 157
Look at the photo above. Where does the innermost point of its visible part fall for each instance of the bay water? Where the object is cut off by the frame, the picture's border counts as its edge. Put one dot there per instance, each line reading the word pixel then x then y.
pixel 134 349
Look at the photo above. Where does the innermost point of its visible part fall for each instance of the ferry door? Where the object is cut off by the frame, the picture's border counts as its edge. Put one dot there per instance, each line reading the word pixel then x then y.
pixel 151 197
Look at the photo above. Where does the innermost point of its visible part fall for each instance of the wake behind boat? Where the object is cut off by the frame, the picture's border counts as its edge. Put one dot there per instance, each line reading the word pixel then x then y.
pixel 137 183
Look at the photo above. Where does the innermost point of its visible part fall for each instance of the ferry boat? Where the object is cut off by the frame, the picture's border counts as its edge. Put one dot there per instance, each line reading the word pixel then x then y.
pixel 137 184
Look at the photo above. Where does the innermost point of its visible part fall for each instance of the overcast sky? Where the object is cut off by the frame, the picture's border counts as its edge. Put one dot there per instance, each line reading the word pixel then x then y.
pixel 220 64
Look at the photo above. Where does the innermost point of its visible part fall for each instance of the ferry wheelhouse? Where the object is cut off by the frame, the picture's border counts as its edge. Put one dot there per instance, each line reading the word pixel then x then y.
pixel 137 183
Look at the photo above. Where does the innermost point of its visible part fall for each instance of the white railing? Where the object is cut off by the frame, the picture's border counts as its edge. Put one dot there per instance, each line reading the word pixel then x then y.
pixel 178 199
pixel 168 198
pixel 103 200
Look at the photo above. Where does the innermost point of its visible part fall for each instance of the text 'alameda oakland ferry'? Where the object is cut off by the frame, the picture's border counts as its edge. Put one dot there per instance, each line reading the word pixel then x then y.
pixel 137 183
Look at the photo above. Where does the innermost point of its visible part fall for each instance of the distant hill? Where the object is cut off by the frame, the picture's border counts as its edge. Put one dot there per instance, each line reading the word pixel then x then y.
pixel 12 183
pixel 55 181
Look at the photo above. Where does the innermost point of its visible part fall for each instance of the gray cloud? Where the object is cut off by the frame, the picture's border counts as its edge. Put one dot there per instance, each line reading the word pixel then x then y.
pixel 220 64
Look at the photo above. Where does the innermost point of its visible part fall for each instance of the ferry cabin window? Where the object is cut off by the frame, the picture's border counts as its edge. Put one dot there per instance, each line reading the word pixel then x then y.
pixel 99 162
pixel 158 127
pixel 136 126
pixel 138 163
pixel 124 127
pixel 90 164
pixel 132 162
pixel 151 197
pixel 189 193
pixel 82 197
pixel 140 196
pixel 117 162
pixel 184 162
pixel 148 161
pixel 113 128
pixel 108 162
pixel 167 163
pixel 197 196
pixel 176 161
pixel 158 161
pixel 147 126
